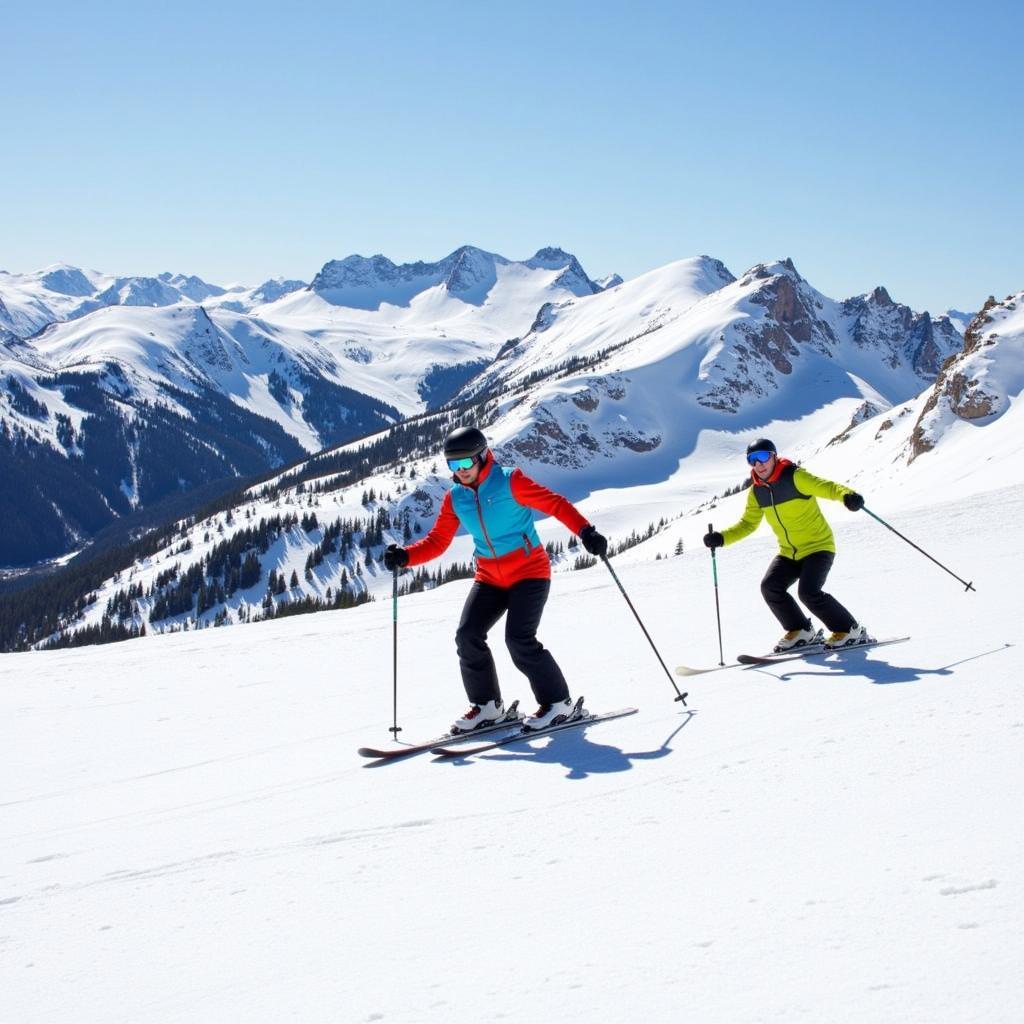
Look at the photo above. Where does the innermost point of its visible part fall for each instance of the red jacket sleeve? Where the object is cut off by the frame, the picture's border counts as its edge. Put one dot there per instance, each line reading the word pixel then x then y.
pixel 440 536
pixel 530 493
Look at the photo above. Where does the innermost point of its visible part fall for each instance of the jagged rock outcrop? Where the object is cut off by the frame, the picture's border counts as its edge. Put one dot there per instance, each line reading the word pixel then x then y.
pixel 978 382
pixel 787 318
pixel 571 430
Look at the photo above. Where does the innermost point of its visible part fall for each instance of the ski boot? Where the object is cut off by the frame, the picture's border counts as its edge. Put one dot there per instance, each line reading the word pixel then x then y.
pixel 856 635
pixel 798 638
pixel 480 715
pixel 553 714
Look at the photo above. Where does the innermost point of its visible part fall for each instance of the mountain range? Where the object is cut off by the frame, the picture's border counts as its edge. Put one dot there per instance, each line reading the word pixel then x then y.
pixel 633 400
pixel 120 392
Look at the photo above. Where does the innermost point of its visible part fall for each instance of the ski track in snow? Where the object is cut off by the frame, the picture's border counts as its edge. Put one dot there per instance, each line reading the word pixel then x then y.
pixel 189 835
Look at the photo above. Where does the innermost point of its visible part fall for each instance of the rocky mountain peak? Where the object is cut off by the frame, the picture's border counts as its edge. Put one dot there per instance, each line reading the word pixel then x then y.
pixel 471 268
pixel 781 268
pixel 973 334
pixel 791 306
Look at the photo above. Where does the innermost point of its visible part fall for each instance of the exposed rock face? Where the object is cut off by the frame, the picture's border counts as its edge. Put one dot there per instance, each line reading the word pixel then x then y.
pixel 574 430
pixel 865 411
pixel 784 317
pixel 787 318
pixel 978 382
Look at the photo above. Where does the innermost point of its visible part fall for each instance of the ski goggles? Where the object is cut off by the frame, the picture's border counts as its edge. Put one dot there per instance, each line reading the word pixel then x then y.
pixel 755 458
pixel 467 463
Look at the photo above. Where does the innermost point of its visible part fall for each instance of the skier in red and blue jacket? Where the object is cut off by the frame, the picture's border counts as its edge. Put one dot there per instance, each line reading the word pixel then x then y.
pixel 495 504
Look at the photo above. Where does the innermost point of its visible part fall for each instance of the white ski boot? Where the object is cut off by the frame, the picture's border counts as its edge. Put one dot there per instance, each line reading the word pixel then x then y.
pixel 480 715
pixel 798 638
pixel 550 714
pixel 856 635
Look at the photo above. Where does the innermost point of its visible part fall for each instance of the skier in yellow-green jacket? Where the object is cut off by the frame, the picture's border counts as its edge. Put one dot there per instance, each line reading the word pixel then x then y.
pixel 786 496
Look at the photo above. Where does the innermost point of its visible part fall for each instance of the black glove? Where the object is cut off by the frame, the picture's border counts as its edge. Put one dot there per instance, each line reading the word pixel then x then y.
pixel 713 539
pixel 853 501
pixel 594 542
pixel 395 557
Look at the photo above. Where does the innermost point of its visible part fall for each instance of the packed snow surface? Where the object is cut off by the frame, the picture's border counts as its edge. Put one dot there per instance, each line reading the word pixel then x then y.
pixel 189 835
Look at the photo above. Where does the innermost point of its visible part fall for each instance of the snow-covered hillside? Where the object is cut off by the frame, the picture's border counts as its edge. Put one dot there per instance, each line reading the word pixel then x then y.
pixel 189 835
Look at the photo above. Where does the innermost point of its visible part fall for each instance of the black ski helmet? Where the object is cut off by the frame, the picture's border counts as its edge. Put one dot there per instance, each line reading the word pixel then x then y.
pixel 762 444
pixel 464 443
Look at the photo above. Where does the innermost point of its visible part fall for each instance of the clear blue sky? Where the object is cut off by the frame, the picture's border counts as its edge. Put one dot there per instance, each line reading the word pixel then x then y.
pixel 873 143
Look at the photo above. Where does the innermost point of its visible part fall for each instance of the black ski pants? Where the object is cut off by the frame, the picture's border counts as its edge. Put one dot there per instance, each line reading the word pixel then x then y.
pixel 524 602
pixel 812 572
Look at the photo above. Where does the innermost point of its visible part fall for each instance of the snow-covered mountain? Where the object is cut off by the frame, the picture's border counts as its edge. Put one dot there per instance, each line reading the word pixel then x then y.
pixel 33 301
pixel 703 349
pixel 469 274
pixel 244 300
pixel 630 401
pixel 248 379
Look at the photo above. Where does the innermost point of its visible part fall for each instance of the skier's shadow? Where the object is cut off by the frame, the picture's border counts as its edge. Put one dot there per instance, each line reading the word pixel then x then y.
pixel 884 673
pixel 574 750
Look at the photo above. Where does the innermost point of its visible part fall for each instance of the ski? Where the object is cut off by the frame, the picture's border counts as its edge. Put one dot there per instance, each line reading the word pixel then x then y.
pixel 511 720
pixel 687 670
pixel 521 734
pixel 814 651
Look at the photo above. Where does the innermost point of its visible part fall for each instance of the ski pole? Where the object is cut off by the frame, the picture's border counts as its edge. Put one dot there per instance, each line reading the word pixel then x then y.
pixel 718 614
pixel 967 586
pixel 395 729
pixel 622 590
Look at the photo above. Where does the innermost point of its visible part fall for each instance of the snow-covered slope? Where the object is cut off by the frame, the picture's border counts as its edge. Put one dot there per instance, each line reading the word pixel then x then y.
pixel 265 369
pixel 188 834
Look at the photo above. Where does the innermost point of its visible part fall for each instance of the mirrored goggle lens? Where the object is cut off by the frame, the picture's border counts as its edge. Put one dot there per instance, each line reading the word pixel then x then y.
pixel 755 457
pixel 454 464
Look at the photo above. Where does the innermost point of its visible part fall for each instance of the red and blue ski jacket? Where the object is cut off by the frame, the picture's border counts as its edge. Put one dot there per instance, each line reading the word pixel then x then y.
pixel 497 512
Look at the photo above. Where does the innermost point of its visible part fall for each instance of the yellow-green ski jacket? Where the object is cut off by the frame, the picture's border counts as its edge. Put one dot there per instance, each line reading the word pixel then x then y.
pixel 788 500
